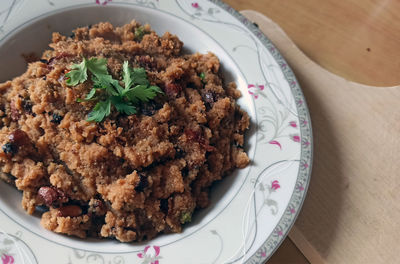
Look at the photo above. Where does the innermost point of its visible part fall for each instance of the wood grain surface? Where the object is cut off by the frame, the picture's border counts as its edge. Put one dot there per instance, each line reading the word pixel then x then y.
pixel 288 253
pixel 359 40
pixel 351 212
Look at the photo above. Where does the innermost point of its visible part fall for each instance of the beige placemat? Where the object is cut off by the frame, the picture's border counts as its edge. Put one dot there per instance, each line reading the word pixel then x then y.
pixel 352 210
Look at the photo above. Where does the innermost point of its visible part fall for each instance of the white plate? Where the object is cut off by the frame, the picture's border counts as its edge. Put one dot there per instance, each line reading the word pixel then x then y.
pixel 253 209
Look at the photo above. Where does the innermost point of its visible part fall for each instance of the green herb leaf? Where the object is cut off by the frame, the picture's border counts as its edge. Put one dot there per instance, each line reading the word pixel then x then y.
pixel 90 94
pixel 123 99
pixel 122 106
pixel 88 97
pixel 101 110
pixel 139 76
pixel 106 82
pixel 97 66
pixel 126 75
pixel 78 73
pixel 142 93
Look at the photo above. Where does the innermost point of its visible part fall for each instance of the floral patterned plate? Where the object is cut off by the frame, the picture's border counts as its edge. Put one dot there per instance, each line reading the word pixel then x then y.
pixel 253 209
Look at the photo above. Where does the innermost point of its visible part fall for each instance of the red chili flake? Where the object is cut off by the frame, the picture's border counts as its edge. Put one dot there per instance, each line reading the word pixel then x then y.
pixel 210 148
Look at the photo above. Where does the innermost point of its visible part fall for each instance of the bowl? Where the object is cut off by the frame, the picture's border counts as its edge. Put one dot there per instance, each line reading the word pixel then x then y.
pixel 228 231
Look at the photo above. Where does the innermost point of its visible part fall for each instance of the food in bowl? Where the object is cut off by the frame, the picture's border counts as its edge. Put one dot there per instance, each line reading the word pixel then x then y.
pixel 116 133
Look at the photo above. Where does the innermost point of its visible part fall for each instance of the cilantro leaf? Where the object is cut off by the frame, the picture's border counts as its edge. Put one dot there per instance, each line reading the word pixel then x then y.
pixel 115 83
pixel 101 110
pixel 142 93
pixel 124 98
pixel 126 75
pixel 97 66
pixel 139 76
pixel 90 94
pixel 135 76
pixel 78 73
pixel 122 106
pixel 88 97
pixel 106 82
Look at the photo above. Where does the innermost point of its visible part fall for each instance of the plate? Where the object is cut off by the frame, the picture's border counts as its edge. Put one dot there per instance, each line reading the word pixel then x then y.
pixel 252 210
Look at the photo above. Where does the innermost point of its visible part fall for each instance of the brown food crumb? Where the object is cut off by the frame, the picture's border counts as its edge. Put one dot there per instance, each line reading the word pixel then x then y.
pixel 128 177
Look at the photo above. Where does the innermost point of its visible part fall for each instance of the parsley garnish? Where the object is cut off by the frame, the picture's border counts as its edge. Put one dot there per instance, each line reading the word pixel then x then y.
pixel 108 91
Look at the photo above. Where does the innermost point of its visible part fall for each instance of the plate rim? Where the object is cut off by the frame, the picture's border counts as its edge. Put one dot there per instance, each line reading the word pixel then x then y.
pixel 287 72
pixel 302 110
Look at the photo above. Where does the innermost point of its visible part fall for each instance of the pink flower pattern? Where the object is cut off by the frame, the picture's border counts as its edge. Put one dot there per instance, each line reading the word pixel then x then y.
pixel 275 142
pixel 275 185
pixel 195 5
pixel 293 124
pixel 255 89
pixel 150 255
pixel 283 66
pixel 105 2
pixel 295 138
pixel 7 259
pixel 300 102
pixel 301 188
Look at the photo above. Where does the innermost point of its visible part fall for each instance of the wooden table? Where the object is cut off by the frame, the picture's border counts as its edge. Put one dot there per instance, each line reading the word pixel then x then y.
pixel 358 40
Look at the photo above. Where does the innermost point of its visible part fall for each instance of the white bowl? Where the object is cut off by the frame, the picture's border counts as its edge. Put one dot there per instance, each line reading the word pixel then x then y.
pixel 245 58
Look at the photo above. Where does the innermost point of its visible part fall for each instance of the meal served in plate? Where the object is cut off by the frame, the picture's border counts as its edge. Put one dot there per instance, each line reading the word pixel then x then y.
pixel 115 133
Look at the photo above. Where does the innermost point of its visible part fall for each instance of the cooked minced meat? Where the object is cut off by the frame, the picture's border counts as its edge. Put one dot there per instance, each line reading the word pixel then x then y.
pixel 127 177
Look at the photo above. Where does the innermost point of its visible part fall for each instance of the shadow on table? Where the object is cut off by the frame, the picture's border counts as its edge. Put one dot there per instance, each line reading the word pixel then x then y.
pixel 327 179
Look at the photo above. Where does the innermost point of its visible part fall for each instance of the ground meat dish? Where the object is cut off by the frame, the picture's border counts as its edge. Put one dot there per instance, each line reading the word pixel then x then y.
pixel 127 177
